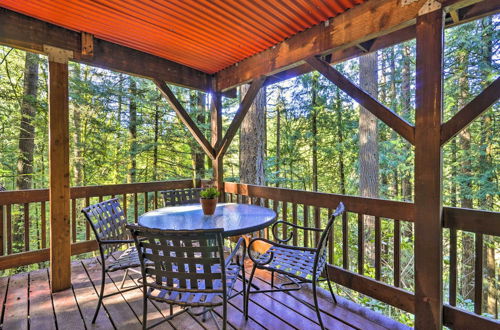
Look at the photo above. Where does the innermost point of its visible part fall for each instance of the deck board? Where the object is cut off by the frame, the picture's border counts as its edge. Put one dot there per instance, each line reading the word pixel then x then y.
pixel 28 304
pixel 40 301
pixel 16 304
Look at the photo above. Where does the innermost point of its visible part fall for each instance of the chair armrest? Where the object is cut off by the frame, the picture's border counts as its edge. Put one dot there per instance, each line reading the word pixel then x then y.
pixel 284 240
pixel 284 246
pixel 117 241
pixel 241 242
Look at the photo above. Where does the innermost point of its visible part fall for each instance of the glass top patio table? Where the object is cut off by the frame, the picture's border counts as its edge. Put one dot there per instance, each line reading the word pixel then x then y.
pixel 236 219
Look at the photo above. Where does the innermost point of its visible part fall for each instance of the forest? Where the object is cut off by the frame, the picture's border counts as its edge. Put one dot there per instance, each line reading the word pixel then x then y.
pixel 303 133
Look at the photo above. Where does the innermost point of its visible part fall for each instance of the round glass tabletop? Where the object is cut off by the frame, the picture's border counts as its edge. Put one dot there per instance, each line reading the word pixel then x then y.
pixel 236 219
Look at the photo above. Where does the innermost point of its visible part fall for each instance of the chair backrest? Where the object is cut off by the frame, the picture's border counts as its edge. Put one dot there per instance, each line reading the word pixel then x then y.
pixel 181 196
pixel 321 247
pixel 108 221
pixel 182 260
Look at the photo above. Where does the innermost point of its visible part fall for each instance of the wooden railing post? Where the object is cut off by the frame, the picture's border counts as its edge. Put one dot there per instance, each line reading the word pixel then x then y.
pixel 59 193
pixel 428 168
pixel 216 129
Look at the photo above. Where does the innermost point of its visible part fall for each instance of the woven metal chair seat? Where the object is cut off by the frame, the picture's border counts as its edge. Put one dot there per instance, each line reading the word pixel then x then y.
pixel 291 262
pixel 128 259
pixel 196 299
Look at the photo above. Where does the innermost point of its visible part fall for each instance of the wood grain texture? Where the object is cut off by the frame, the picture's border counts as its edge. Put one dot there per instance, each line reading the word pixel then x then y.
pixel 428 167
pixel 59 194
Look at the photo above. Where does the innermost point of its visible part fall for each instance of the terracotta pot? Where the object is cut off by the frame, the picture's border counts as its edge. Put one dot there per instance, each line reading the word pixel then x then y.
pixel 208 205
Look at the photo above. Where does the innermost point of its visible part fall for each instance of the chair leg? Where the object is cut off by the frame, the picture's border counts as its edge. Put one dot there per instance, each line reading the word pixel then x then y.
pixel 316 305
pixel 272 279
pixel 245 306
pixel 224 316
pixel 144 311
pixel 243 279
pixel 101 294
pixel 124 279
pixel 330 286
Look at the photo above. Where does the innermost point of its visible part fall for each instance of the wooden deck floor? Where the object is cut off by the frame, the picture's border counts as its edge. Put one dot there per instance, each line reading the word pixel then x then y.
pixel 28 304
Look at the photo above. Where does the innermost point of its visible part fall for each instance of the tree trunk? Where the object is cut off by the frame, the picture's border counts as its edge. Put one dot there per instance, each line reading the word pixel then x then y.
pixel 368 145
pixel 279 109
pixel 26 127
pixel 464 143
pixel 198 104
pixel 132 129
pixel 340 129
pixel 252 137
pixel 314 130
pixel 406 185
pixel 156 137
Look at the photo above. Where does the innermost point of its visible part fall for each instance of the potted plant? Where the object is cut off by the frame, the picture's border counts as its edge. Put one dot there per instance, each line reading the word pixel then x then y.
pixel 209 200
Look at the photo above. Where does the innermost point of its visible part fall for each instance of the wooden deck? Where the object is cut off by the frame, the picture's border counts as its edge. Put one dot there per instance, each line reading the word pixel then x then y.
pixel 28 304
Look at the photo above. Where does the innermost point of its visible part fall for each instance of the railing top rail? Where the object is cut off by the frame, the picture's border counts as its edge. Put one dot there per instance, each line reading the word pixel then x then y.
pixel 369 206
pixel 41 195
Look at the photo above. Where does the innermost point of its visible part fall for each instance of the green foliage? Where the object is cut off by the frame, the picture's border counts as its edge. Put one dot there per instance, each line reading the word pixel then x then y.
pixel 209 193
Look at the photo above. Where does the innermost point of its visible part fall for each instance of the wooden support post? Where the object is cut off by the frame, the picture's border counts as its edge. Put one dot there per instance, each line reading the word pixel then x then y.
pixel 216 129
pixel 59 193
pixel 428 168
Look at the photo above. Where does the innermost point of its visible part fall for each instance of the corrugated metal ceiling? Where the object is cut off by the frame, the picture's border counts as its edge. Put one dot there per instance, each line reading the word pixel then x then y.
pixel 208 35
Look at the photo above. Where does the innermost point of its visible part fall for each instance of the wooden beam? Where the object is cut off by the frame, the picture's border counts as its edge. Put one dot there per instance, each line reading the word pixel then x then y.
pixel 476 221
pixel 471 111
pixel 405 129
pixel 428 168
pixel 341 39
pixel 240 115
pixel 460 319
pixel 31 34
pixel 185 118
pixel 59 193
pixel 216 137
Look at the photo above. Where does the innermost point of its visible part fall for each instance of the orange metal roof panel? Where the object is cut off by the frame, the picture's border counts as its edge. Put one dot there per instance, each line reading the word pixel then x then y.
pixel 208 35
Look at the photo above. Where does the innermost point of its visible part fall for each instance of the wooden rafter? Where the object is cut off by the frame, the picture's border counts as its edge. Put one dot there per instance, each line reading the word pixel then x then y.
pixel 20 31
pixel 185 118
pixel 471 111
pixel 383 113
pixel 342 38
pixel 222 147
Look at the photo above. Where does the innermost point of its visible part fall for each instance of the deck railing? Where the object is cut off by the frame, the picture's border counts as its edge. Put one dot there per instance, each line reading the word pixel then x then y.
pixel 360 265
pixel 370 265
pixel 24 217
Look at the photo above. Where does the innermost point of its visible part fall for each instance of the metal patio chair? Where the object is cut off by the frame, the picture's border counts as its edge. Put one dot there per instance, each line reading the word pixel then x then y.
pixel 181 196
pixel 188 269
pixel 299 264
pixel 108 222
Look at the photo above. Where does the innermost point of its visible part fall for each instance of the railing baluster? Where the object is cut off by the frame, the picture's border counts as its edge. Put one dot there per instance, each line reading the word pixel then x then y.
pixel 1 230
pixel 73 220
pixel 294 220
pixel 284 212
pixel 43 211
pixel 397 253
pixel 9 228
pixel 146 202
pixel 266 230
pixel 345 241
pixel 478 275
pixel 306 224
pixel 317 224
pixel 331 240
pixel 378 248
pixel 156 200
pixel 453 267
pixel 87 226
pixel 124 205
pixel 136 206
pixel 100 199
pixel 361 244
pixel 26 211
